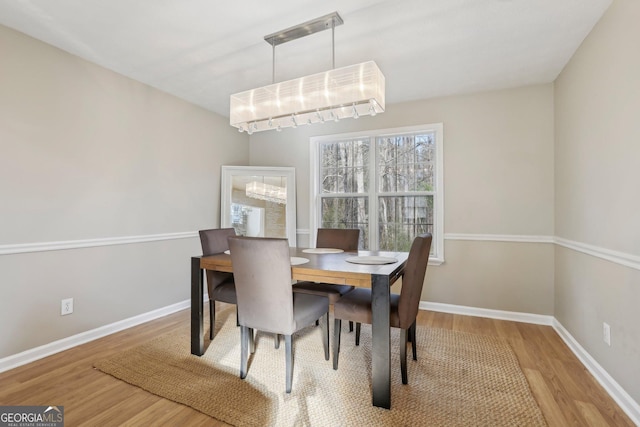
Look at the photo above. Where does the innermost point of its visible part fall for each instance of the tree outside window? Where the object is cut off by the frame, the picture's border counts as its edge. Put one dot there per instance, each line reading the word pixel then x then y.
pixel 393 175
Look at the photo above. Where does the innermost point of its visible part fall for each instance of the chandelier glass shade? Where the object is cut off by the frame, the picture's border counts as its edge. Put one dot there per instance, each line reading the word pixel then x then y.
pixel 347 92
pixel 352 91
pixel 266 192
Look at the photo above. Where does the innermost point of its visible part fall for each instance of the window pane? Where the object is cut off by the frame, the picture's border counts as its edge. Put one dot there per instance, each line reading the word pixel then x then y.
pixel 344 166
pixel 400 186
pixel 351 212
pixel 406 163
pixel 401 219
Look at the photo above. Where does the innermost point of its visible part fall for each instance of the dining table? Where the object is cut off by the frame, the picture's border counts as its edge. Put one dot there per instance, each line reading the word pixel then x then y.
pixel 331 267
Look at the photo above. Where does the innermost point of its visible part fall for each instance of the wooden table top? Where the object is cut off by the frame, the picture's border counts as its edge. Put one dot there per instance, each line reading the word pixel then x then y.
pixel 327 268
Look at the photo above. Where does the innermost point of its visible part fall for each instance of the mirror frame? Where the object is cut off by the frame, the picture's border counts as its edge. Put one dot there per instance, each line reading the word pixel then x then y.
pixel 228 172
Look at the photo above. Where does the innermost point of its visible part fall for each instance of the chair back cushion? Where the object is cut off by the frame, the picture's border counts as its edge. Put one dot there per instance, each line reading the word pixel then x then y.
pixel 214 241
pixel 413 280
pixel 262 272
pixel 338 238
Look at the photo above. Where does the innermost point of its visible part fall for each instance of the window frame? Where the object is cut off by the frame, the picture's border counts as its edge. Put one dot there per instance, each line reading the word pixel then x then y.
pixel 437 256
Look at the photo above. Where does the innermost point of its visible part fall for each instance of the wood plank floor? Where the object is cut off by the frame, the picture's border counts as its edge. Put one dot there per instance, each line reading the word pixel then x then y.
pixel 566 392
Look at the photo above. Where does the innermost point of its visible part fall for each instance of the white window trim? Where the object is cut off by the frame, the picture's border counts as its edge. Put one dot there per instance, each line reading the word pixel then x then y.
pixel 314 195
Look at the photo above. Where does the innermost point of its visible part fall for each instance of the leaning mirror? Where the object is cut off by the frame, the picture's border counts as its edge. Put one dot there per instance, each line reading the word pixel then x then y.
pixel 259 201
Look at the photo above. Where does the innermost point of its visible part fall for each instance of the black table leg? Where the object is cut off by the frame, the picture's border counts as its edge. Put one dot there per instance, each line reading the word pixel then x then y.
pixel 381 357
pixel 197 328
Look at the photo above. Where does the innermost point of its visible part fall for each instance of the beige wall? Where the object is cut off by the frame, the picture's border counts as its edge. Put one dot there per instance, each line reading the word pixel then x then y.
pixel 498 166
pixel 89 154
pixel 597 192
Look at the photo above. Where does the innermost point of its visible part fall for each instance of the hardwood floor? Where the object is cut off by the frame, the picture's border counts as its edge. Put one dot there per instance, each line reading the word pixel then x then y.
pixel 566 392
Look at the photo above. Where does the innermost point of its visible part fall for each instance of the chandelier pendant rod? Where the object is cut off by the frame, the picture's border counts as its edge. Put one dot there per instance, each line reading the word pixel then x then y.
pixel 273 61
pixel 333 44
pixel 302 30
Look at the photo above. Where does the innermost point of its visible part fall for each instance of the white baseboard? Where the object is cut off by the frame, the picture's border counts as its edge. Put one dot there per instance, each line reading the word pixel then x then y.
pixel 37 353
pixel 617 393
pixel 622 398
pixel 513 316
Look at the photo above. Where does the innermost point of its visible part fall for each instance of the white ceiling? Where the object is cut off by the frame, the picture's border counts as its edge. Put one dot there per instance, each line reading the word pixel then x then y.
pixel 203 51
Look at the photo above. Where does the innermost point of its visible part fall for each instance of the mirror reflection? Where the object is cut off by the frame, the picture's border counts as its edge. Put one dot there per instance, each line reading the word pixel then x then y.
pixel 259 201
pixel 259 205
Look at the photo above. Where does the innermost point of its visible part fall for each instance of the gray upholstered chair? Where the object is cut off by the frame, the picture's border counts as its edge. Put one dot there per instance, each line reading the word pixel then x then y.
pixel 338 238
pixel 220 286
pixel 262 271
pixel 346 239
pixel 356 305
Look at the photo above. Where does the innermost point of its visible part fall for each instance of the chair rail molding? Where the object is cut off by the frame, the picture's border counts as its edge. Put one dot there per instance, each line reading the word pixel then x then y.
pixel 622 258
pixel 90 243
pixel 500 238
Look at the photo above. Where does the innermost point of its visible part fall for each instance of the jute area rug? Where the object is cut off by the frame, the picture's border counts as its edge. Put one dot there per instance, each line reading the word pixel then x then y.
pixel 460 379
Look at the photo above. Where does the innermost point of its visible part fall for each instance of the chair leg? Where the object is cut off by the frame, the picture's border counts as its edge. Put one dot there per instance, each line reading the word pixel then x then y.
pixel 358 327
pixel 212 317
pixel 276 340
pixel 252 341
pixel 337 324
pixel 289 361
pixel 325 334
pixel 403 354
pixel 412 335
pixel 350 326
pixel 237 317
pixel 244 344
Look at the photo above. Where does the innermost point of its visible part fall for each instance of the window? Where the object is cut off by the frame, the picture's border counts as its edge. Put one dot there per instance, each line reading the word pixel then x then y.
pixel 387 183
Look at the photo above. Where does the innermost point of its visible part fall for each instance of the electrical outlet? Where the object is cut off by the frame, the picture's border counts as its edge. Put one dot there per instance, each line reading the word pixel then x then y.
pixel 66 307
pixel 606 333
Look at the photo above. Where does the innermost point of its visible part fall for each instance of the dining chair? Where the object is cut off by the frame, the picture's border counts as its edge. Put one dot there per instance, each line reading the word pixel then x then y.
pixel 262 271
pixel 346 239
pixel 356 305
pixel 220 286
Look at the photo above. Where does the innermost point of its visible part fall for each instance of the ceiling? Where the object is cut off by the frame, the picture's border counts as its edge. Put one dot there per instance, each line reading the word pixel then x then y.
pixel 203 51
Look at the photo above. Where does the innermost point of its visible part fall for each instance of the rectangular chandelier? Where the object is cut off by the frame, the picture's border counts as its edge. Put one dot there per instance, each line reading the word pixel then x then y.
pixel 352 91
pixel 348 92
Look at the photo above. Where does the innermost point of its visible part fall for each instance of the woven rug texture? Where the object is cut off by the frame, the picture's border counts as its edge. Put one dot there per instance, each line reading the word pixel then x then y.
pixel 459 379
